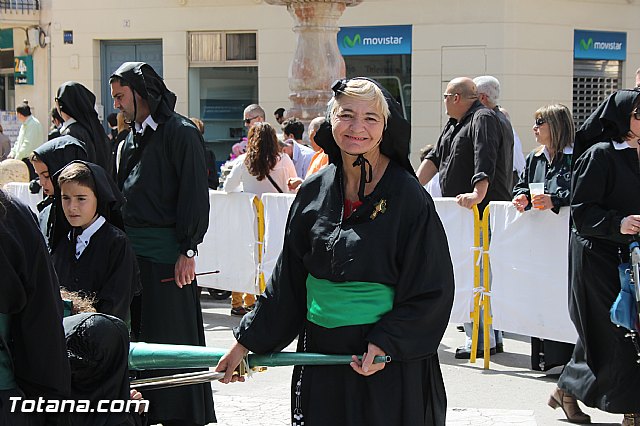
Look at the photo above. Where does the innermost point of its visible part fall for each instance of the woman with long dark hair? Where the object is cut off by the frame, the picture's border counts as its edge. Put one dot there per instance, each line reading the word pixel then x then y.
pixel 263 168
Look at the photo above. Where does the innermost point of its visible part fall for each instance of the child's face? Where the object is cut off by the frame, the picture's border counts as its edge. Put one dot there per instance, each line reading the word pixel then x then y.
pixel 79 204
pixel 43 176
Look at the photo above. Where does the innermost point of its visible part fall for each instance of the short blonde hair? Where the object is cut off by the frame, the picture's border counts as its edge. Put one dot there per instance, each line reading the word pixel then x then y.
pixel 363 90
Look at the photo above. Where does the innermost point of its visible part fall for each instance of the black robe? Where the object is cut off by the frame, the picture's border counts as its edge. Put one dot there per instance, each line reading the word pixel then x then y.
pixel 405 248
pixel 603 372
pixel 56 154
pixel 29 294
pixel 163 176
pixel 106 270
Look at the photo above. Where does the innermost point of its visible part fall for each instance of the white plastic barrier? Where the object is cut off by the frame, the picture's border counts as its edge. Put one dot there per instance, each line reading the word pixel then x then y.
pixel 276 211
pixel 529 264
pixel 458 225
pixel 20 190
pixel 229 244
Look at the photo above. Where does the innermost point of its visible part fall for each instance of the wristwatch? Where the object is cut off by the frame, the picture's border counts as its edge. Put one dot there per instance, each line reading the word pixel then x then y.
pixel 190 253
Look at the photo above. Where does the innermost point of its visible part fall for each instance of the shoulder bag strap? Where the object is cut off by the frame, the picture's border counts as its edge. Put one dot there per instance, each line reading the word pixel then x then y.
pixel 273 182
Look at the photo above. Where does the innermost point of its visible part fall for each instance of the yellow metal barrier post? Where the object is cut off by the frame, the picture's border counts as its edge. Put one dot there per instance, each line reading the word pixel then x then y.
pixel 486 294
pixel 257 202
pixel 477 285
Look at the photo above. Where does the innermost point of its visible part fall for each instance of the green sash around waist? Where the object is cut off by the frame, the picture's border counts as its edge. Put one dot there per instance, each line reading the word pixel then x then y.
pixel 7 379
pixel 160 245
pixel 331 304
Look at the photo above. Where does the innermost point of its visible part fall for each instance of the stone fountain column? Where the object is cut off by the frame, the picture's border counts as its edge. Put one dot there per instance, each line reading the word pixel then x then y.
pixel 317 61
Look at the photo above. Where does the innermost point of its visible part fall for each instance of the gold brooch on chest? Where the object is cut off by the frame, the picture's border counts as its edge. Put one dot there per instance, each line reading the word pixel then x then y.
pixel 380 207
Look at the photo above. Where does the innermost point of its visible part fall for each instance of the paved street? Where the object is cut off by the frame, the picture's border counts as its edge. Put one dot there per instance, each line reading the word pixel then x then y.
pixel 509 393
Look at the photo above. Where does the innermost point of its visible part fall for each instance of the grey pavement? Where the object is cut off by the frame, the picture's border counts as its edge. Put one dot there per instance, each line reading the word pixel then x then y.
pixel 509 393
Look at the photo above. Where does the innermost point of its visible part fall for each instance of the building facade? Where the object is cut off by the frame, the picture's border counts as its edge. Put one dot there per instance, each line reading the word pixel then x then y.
pixel 220 55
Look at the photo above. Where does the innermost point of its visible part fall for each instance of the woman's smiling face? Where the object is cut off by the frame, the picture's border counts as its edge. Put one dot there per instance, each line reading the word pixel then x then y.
pixel 357 125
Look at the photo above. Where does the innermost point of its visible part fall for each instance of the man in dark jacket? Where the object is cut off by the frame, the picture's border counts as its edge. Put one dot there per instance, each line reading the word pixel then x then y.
pixel 474 161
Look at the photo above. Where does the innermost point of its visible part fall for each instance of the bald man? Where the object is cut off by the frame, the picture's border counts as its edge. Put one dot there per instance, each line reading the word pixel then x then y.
pixel 475 165
pixel 469 154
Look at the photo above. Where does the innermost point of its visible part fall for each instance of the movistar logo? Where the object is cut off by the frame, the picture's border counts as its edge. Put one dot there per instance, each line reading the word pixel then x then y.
pixel 586 45
pixel 349 42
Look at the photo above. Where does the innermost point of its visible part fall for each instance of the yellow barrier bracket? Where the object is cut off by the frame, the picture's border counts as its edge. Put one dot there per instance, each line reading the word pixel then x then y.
pixel 477 286
pixel 257 202
pixel 481 285
pixel 486 301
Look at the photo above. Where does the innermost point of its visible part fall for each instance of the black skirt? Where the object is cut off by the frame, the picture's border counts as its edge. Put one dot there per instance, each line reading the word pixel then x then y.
pixel 172 315
pixel 402 394
pixel 547 354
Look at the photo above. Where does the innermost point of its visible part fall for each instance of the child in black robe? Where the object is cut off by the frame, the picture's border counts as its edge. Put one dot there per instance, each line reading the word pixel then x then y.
pixel 96 258
pixel 47 160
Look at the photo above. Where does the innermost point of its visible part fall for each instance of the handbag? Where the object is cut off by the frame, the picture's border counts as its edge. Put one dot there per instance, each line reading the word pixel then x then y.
pixel 624 311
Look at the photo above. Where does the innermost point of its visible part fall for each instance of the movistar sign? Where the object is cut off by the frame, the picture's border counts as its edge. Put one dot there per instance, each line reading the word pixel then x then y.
pixel 383 40
pixel 605 45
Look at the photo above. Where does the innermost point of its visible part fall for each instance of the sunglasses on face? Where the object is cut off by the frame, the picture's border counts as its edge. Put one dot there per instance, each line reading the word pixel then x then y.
pixel 540 121
pixel 446 95
pixel 249 120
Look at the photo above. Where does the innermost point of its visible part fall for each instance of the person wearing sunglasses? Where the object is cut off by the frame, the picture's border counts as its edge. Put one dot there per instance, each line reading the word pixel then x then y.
pixel 605 212
pixel 550 163
pixel 474 162
pixel 253 114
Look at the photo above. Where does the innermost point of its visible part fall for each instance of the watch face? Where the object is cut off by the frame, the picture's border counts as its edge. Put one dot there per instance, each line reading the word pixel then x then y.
pixel 190 253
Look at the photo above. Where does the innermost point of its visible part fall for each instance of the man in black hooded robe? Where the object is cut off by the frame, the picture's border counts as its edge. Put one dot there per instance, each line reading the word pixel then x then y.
pixel 163 176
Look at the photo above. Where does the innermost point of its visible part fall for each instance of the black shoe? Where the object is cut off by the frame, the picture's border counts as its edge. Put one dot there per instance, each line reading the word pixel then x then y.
pixel 499 348
pixel 465 353
pixel 240 311
pixel 460 328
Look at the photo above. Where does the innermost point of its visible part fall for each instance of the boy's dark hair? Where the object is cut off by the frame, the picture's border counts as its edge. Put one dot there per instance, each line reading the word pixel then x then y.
pixel 294 127
pixel 78 173
pixel 279 112
pixel 24 109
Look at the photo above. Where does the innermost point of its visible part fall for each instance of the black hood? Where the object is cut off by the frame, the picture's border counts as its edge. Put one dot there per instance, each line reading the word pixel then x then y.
pixel 150 86
pixel 610 121
pixel 98 350
pixel 79 102
pixel 396 137
pixel 110 199
pixel 59 152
